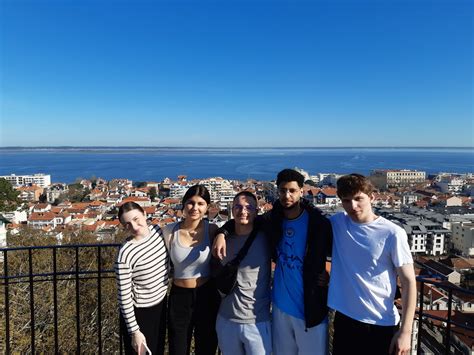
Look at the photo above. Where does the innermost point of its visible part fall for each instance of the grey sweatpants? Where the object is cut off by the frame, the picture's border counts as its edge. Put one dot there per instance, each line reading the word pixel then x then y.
pixel 290 335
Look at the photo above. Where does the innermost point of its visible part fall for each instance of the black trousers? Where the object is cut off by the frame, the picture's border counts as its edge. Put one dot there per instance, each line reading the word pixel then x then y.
pixel 152 323
pixel 354 337
pixel 193 310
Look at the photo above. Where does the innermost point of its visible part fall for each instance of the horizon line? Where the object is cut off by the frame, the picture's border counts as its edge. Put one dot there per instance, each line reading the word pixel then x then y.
pixel 229 147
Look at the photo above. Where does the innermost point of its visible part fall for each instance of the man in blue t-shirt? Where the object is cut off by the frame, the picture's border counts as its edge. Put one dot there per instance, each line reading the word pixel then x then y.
pixel 300 239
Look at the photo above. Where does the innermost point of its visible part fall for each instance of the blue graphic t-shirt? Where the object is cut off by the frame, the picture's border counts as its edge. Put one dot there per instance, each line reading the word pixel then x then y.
pixel 288 277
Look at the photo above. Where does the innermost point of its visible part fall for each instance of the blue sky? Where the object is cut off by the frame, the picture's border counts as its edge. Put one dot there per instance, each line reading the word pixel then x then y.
pixel 237 73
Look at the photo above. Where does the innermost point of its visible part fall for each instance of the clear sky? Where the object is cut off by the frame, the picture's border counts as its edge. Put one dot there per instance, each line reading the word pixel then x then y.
pixel 237 73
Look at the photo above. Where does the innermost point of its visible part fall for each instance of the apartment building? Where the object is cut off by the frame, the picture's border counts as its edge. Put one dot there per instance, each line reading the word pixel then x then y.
pixel 327 179
pixel 55 191
pixel 41 180
pixel 178 189
pixel 425 237
pixel 30 193
pixel 384 179
pixel 451 184
pixel 218 187
pixel 463 237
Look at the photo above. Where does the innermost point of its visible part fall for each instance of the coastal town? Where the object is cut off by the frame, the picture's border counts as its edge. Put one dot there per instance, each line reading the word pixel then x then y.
pixel 436 211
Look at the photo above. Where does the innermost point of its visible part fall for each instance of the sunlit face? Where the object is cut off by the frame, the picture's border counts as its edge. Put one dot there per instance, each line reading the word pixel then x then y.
pixel 244 210
pixel 289 194
pixel 134 222
pixel 195 208
pixel 359 207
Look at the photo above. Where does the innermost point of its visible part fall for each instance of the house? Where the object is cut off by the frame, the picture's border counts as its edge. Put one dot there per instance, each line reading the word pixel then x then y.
pixel 453 201
pixel 30 193
pixel 328 196
pixel 140 192
pixel 39 220
pixel 42 207
pixel 310 193
pixel 142 201
pixel 15 217
pixel 440 270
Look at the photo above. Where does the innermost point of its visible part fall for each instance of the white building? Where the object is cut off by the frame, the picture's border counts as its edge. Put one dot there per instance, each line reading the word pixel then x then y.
pixel 218 187
pixel 3 234
pixel 42 220
pixel 177 190
pixel 326 179
pixel 41 180
pixel 396 178
pixel 450 184
pixel 54 191
pixel 463 237
pixel 16 217
pixel 409 198
pixel 425 237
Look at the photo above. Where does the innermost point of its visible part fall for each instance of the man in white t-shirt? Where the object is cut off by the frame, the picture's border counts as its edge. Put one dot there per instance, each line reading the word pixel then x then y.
pixel 368 253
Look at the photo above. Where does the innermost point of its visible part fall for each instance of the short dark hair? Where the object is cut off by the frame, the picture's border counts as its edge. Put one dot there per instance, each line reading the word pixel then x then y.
pixel 197 190
pixel 246 194
pixel 288 175
pixel 127 207
pixel 349 185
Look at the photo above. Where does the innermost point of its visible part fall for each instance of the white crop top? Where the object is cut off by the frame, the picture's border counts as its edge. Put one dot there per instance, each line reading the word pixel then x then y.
pixel 191 262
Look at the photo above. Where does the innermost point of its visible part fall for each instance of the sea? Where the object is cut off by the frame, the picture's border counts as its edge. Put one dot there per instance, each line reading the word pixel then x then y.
pixel 67 164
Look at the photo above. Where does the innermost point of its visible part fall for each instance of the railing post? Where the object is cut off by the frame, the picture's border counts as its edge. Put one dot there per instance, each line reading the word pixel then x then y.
pixel 32 300
pixel 78 316
pixel 448 326
pixel 7 302
pixel 55 301
pixel 420 317
pixel 120 335
pixel 99 298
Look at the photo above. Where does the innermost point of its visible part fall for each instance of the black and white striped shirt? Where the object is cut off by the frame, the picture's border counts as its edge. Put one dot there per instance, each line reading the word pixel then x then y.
pixel 141 271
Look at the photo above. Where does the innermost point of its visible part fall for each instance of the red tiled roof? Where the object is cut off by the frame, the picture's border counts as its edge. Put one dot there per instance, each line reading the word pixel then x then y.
pixel 150 210
pixel 329 191
pixel 134 199
pixel 41 216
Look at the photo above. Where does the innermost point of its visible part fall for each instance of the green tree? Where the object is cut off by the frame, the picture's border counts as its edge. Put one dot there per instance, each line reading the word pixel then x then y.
pixel 9 200
pixel 77 192
pixel 152 192
pixel 139 184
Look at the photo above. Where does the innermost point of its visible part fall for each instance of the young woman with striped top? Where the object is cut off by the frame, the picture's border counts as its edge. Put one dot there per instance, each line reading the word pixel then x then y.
pixel 193 299
pixel 142 278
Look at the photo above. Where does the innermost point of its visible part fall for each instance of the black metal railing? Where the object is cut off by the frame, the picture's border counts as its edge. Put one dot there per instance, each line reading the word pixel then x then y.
pixel 70 269
pixel 449 291
pixel 62 299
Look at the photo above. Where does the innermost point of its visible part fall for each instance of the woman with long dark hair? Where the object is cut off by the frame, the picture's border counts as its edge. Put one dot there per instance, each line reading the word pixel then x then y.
pixel 193 299
pixel 142 278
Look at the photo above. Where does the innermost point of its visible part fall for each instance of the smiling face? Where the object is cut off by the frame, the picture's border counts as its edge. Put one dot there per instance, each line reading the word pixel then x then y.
pixel 359 207
pixel 134 222
pixel 289 194
pixel 244 210
pixel 195 208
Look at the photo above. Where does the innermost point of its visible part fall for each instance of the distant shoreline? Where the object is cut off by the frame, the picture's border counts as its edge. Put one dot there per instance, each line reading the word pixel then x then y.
pixel 152 148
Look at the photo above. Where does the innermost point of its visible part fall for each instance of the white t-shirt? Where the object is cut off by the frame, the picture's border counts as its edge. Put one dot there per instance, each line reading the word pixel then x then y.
pixel 363 272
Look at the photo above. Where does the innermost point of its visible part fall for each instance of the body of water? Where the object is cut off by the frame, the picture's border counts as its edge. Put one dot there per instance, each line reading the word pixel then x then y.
pixel 154 164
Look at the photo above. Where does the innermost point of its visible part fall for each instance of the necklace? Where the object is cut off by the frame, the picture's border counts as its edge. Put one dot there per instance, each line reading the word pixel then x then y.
pixel 192 233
